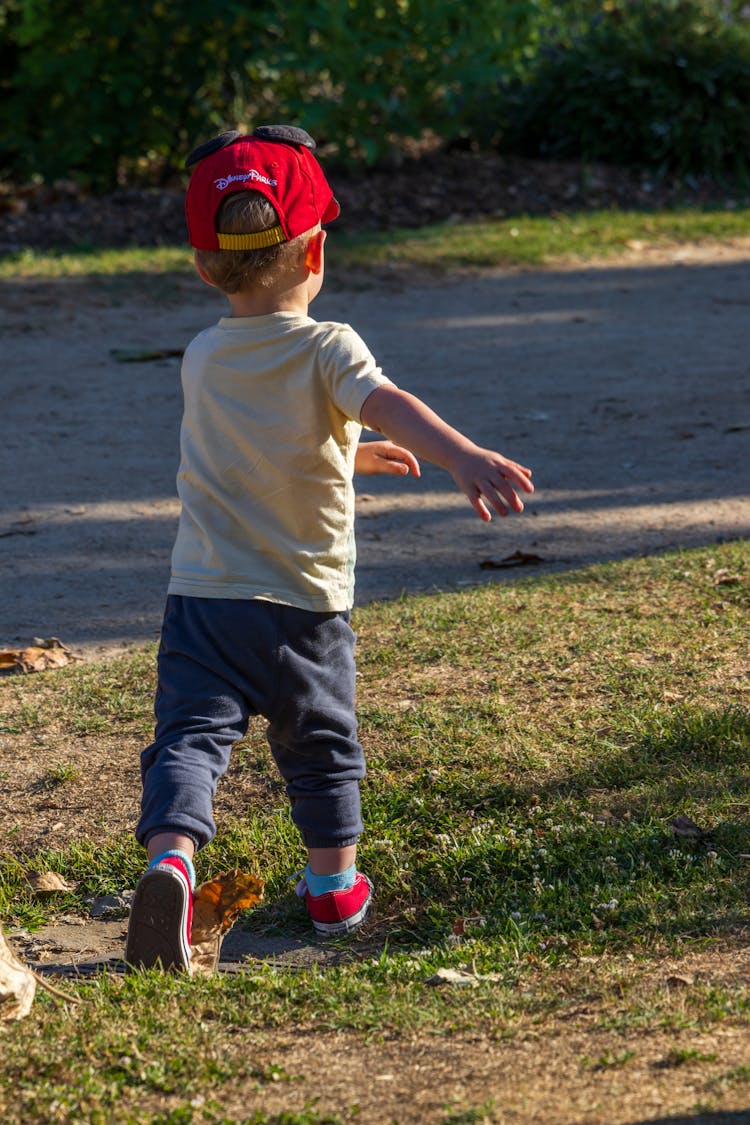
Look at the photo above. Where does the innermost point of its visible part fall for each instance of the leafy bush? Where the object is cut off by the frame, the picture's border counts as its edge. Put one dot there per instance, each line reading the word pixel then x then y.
pixel 663 85
pixel 97 84
pixel 95 91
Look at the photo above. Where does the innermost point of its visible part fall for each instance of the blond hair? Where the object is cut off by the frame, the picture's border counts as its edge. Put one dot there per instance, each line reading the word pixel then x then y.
pixel 246 212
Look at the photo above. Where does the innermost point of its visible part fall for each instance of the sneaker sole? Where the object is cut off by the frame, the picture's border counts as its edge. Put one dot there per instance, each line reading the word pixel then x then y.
pixel 158 921
pixel 346 925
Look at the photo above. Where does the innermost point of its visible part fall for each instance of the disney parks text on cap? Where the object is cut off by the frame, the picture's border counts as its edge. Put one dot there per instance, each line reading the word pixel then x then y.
pixel 275 160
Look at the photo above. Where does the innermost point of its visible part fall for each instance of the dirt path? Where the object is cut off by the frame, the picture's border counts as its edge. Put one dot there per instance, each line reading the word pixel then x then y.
pixel 626 388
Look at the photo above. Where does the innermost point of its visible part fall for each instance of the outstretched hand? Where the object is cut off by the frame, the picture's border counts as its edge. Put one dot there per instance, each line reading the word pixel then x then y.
pixel 385 457
pixel 488 478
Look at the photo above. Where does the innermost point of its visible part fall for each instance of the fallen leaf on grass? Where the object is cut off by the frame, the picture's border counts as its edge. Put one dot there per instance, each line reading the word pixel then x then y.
pixel 216 906
pixel 48 882
pixel 725 577
pixel 518 558
pixel 467 977
pixel 687 829
pixel 45 653
pixel 677 980
pixel 461 926
pixel 17 984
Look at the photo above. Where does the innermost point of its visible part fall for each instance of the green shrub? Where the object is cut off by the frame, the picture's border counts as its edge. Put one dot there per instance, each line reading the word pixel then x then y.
pixel 99 83
pixel 90 88
pixel 663 84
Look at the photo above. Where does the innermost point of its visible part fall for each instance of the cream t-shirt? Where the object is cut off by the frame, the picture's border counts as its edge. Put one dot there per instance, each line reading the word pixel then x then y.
pixel 269 434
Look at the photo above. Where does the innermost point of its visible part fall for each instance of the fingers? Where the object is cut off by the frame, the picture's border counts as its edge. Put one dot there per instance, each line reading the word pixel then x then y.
pixel 500 497
pixel 398 460
pixel 409 460
pixel 498 493
pixel 480 508
pixel 395 468
pixel 518 474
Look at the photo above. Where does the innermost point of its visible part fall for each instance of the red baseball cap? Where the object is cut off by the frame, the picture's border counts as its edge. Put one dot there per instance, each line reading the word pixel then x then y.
pixel 277 161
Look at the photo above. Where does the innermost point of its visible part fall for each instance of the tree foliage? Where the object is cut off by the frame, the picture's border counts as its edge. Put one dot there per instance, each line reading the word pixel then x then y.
pixel 663 85
pixel 92 85
pixel 95 91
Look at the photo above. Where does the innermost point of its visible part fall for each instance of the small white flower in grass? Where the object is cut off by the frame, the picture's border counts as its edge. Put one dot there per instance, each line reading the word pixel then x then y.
pixel 542 852
pixel 712 856
pixel 611 905
pixel 516 915
pixel 540 917
pixel 443 839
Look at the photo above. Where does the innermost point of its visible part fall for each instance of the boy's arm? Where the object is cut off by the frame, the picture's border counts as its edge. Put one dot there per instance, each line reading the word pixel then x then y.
pixel 385 457
pixel 481 474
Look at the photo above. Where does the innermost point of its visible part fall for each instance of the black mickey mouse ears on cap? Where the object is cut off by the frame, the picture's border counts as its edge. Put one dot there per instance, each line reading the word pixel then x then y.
pixel 284 134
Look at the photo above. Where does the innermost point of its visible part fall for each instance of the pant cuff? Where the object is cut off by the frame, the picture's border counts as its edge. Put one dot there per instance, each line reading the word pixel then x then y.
pixel 323 842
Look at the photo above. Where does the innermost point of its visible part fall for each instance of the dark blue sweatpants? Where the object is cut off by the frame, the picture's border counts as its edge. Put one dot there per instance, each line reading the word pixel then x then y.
pixel 222 660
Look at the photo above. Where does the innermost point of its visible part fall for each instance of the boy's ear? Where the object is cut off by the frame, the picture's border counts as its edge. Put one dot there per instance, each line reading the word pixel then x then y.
pixel 314 252
pixel 203 275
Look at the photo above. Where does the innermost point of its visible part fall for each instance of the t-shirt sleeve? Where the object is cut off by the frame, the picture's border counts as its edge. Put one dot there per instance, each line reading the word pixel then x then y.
pixel 349 370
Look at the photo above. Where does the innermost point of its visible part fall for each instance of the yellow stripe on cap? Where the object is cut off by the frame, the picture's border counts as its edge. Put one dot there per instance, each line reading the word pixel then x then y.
pixel 256 241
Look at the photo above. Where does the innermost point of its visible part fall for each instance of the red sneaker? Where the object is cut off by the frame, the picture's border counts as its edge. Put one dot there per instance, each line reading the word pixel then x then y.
pixel 161 918
pixel 340 912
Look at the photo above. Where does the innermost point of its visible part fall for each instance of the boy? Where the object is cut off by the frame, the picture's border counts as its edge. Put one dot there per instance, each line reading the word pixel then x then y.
pixel 257 615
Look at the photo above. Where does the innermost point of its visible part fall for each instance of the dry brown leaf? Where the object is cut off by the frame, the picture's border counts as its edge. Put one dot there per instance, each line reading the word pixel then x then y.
pixel 464 977
pixel 518 558
pixel 679 980
pixel 216 906
pixel 48 882
pixel 39 657
pixel 725 577
pixel 17 984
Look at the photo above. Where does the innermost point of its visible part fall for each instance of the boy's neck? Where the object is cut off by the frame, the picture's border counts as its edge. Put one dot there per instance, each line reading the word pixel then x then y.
pixel 262 302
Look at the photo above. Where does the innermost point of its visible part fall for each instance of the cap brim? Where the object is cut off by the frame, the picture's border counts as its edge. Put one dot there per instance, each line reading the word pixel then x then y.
pixel 331 212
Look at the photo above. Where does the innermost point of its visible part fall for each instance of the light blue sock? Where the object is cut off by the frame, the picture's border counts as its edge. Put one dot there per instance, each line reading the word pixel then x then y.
pixel 177 854
pixel 321 884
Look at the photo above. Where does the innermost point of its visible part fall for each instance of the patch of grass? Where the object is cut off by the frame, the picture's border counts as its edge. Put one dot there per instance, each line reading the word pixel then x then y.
pixel 523 240
pixel 90 261
pixel 475 1115
pixel 608 1060
pixel 60 774
pixel 682 1056
pixel 534 240
pixel 529 747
